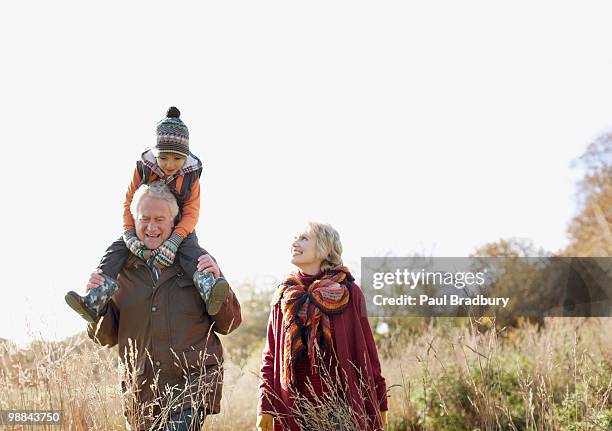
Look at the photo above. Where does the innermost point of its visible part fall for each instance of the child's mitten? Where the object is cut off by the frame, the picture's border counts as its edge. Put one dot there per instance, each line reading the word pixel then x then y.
pixel 166 253
pixel 135 245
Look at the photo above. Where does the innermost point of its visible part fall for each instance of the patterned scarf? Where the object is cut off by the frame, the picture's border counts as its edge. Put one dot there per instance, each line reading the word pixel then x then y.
pixel 306 312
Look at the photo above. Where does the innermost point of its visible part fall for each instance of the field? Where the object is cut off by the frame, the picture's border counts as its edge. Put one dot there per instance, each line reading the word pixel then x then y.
pixel 449 374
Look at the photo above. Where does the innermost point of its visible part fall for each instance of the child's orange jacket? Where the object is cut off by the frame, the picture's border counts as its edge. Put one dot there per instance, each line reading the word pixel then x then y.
pixel 185 185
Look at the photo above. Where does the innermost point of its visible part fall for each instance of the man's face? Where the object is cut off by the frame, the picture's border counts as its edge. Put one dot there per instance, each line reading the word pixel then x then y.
pixel 154 222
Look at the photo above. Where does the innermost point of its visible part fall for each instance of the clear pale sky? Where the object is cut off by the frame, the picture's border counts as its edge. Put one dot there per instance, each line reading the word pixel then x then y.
pixel 409 126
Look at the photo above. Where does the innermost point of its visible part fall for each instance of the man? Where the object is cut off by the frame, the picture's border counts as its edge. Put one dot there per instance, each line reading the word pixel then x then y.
pixel 168 343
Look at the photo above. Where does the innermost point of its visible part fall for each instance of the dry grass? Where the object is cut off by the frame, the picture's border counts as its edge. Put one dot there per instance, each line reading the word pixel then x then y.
pixel 555 378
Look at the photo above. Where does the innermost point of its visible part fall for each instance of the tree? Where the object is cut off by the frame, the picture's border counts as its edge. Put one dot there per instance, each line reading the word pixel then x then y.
pixel 590 231
pixel 516 273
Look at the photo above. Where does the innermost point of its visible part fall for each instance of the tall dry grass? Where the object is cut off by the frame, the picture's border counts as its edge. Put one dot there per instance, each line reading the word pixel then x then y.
pixel 555 378
pixel 477 376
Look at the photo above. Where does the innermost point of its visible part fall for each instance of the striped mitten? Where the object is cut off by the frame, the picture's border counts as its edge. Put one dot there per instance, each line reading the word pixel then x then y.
pixel 166 253
pixel 135 245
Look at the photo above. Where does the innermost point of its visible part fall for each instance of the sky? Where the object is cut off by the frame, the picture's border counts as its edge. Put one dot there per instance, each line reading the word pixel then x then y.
pixel 410 126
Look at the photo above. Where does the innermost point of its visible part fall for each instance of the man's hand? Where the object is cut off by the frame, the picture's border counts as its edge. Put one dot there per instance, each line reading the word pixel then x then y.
pixel 95 280
pixel 207 264
pixel 264 422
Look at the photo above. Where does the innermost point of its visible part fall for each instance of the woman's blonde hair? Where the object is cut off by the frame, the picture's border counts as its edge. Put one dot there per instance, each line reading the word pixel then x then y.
pixel 328 244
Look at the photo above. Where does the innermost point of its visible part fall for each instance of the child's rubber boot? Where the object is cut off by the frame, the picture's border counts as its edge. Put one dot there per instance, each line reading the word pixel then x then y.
pixel 90 305
pixel 212 290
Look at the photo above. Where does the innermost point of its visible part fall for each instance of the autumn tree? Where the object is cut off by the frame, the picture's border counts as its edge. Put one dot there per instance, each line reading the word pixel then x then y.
pixel 590 232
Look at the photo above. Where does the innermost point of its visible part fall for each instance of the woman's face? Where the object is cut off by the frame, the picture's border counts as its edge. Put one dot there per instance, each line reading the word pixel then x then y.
pixel 304 253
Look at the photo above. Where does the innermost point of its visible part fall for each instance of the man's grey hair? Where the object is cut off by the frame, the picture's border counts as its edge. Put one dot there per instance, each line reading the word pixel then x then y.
pixel 157 189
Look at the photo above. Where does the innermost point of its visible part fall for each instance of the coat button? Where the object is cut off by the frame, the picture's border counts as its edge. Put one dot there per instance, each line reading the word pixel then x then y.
pixel 154 308
pixel 157 363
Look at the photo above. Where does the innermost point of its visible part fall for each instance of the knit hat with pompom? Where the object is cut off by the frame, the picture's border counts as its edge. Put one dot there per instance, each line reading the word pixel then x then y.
pixel 172 135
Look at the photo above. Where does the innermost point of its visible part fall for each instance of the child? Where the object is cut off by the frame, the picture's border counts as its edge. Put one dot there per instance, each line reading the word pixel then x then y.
pixel 171 161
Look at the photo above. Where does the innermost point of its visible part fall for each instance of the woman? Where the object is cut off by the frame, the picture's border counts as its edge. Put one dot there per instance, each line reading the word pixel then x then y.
pixel 320 354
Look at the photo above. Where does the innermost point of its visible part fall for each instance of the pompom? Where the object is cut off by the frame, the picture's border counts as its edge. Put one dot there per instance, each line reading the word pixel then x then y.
pixel 173 112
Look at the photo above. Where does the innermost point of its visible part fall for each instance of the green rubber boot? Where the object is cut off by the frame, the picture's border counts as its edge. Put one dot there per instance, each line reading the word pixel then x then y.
pixel 212 290
pixel 90 305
